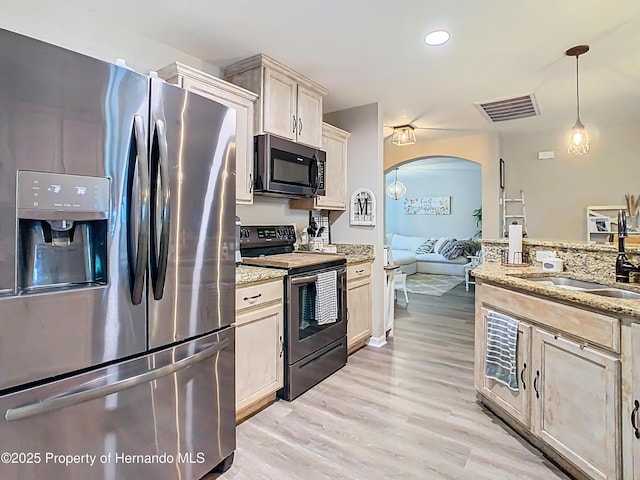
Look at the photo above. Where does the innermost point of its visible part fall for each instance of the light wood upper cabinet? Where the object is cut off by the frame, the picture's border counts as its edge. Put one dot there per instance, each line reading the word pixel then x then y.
pixel 259 344
pixel 241 100
pixel 358 305
pixel 575 403
pixel 334 143
pixel 290 104
pixel 280 104
pixel 309 117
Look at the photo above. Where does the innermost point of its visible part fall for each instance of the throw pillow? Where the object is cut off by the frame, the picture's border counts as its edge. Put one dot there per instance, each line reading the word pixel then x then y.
pixel 453 249
pixel 441 243
pixel 426 247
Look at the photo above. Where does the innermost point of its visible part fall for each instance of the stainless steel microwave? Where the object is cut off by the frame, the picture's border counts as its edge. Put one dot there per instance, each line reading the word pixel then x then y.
pixel 287 169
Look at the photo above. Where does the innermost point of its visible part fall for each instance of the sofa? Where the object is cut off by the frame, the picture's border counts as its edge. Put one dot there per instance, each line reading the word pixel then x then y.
pixel 424 255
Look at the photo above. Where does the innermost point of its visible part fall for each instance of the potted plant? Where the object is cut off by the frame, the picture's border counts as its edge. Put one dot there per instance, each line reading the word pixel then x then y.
pixel 477 214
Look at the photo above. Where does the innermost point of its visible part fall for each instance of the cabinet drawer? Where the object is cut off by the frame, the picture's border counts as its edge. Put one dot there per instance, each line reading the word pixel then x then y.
pixel 593 327
pixel 259 294
pixel 359 270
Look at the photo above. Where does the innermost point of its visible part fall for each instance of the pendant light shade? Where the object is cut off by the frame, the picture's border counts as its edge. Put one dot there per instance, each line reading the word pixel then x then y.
pixel 403 135
pixel 396 190
pixel 579 137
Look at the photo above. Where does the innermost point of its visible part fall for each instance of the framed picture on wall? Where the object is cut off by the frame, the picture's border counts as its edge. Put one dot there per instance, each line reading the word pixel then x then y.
pixel 363 208
pixel 599 225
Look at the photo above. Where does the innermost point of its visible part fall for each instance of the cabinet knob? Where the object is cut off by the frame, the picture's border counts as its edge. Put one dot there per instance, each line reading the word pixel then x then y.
pixel 535 383
pixel 299 126
pixel 293 128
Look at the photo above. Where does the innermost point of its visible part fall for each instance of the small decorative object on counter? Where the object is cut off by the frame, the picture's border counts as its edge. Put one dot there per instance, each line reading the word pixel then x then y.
pixel 553 264
pixel 316 244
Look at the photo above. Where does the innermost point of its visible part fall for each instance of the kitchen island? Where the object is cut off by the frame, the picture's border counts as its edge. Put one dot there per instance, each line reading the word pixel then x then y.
pixel 578 381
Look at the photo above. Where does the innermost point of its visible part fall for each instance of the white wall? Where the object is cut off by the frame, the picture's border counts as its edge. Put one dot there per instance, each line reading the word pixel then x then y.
pixel 93 35
pixel 464 186
pixel 558 191
pixel 364 170
pixel 271 211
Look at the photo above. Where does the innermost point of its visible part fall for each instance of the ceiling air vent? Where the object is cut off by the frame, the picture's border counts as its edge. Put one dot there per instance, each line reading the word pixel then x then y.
pixel 510 108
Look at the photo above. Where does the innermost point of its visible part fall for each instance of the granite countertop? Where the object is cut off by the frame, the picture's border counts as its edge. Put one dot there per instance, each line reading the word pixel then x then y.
pixel 360 258
pixel 561 244
pixel 517 278
pixel 246 274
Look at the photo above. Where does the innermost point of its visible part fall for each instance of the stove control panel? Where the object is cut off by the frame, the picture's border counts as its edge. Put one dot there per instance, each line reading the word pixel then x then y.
pixel 264 234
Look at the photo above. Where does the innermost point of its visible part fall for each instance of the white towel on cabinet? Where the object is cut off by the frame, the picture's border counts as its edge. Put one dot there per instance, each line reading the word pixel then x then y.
pixel 501 354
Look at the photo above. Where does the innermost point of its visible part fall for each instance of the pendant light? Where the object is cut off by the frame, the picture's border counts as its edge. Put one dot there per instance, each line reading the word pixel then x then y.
pixel 578 138
pixel 396 190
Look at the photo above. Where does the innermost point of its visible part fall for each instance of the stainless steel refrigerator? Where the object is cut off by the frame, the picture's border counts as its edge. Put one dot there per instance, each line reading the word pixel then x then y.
pixel 117 214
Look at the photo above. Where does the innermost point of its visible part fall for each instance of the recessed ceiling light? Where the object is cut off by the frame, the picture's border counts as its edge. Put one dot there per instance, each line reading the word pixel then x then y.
pixel 436 38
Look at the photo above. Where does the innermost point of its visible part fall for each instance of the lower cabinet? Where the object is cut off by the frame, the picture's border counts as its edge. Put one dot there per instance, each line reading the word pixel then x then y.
pixel 575 403
pixel 515 403
pixel 358 305
pixel 259 346
pixel 569 389
pixel 631 401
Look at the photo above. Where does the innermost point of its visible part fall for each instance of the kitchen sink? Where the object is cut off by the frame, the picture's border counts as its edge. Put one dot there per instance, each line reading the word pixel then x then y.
pixel 615 293
pixel 566 283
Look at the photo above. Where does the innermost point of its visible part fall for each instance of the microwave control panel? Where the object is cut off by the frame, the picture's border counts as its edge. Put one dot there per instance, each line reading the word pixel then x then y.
pixel 321 175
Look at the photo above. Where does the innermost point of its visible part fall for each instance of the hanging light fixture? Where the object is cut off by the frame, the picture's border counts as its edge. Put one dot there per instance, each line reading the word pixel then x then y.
pixel 578 138
pixel 396 190
pixel 403 135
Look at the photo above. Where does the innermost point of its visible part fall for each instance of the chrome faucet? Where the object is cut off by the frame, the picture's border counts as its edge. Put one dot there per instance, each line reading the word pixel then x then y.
pixel 623 266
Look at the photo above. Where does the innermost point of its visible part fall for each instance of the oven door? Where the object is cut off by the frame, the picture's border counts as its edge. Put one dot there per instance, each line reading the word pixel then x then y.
pixel 304 335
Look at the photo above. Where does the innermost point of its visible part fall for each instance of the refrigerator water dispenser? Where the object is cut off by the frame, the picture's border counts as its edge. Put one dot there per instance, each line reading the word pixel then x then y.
pixel 62 231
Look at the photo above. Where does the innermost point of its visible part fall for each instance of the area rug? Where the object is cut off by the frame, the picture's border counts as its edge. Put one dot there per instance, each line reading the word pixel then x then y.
pixel 430 284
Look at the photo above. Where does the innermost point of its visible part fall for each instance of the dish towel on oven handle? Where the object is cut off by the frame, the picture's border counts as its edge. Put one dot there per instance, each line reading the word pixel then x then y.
pixel 327 297
pixel 501 354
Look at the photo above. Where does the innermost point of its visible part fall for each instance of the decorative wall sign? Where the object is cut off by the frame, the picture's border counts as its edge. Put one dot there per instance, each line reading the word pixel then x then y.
pixel 427 205
pixel 363 207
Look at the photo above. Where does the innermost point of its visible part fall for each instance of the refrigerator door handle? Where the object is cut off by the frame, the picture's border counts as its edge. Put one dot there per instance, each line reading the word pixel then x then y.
pixel 137 267
pixel 79 396
pixel 161 173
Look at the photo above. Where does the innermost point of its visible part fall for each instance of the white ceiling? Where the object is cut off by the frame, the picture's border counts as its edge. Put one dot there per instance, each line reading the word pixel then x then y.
pixel 368 51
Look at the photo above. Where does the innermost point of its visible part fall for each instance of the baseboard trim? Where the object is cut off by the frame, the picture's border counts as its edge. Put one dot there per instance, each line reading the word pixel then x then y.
pixel 377 341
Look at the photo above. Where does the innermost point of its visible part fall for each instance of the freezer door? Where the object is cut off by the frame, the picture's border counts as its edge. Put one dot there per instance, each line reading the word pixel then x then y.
pixel 192 251
pixel 67 113
pixel 167 415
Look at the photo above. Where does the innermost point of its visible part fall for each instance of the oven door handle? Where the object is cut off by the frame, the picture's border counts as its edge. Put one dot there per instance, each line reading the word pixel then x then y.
pixel 300 280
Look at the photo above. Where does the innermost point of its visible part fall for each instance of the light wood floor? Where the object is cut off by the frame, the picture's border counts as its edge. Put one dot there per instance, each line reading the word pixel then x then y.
pixel 403 411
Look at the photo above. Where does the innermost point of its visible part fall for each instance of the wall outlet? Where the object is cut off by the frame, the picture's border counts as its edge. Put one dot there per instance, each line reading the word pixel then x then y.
pixel 544 254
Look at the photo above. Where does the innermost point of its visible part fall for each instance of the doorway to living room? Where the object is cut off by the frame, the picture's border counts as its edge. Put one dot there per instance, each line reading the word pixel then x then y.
pixel 433 228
